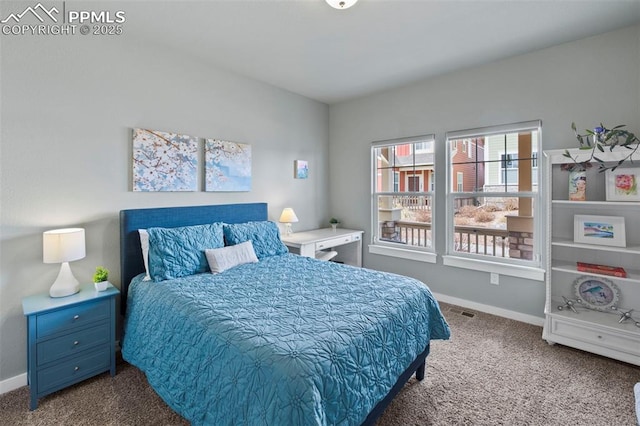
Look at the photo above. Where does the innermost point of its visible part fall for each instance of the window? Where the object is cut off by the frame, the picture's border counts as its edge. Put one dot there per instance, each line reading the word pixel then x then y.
pixel 426 146
pixel 508 168
pixel 401 206
pixel 493 200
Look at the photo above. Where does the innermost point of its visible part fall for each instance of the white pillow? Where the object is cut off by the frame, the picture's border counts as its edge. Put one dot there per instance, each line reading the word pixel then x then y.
pixel 221 259
pixel 144 242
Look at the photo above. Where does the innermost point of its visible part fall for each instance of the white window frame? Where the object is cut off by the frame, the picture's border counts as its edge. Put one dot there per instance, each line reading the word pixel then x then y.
pixel 460 181
pixel 513 267
pixel 381 247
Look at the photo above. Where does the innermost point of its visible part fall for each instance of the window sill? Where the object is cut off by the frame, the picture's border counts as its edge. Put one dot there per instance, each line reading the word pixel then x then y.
pixel 420 256
pixel 528 272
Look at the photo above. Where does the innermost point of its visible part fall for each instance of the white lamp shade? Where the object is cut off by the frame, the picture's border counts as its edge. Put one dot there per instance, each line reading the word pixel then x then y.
pixel 288 216
pixel 63 245
pixel 341 4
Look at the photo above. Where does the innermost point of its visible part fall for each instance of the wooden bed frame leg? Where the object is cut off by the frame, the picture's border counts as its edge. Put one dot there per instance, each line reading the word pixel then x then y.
pixel 420 371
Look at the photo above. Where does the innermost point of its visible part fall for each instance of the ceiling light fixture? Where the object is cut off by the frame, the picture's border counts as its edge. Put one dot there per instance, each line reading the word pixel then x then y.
pixel 341 4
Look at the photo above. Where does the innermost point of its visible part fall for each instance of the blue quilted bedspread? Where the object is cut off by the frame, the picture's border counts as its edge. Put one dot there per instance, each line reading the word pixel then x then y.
pixel 286 341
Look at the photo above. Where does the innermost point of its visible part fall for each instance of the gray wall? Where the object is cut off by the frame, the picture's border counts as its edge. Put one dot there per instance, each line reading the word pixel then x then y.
pixel 588 81
pixel 69 103
pixel 68 107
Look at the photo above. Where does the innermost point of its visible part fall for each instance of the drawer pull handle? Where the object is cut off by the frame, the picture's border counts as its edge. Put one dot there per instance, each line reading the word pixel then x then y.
pixel 75 343
pixel 75 317
pixel 76 368
pixel 599 337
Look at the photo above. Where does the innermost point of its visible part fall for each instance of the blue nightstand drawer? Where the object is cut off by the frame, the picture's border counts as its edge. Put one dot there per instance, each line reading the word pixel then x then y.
pixel 69 339
pixel 71 317
pixel 73 343
pixel 74 370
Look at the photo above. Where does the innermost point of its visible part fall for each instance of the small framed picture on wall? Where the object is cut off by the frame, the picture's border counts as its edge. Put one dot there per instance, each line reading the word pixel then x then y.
pixel 300 169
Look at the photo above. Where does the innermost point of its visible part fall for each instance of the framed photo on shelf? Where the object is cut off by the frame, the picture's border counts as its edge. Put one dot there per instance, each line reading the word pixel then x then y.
pixel 622 184
pixel 599 230
pixel 596 293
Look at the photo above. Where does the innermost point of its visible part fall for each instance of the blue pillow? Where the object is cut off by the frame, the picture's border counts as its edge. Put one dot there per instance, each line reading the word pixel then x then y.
pixel 178 252
pixel 264 236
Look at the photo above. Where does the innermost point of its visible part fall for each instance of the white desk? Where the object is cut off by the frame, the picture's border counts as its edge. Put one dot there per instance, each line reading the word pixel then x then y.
pixel 347 242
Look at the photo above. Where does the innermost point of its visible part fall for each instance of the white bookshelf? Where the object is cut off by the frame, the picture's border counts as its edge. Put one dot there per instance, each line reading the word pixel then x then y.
pixel 587 329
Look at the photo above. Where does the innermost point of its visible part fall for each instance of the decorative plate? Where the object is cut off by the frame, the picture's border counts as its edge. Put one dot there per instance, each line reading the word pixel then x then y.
pixel 596 293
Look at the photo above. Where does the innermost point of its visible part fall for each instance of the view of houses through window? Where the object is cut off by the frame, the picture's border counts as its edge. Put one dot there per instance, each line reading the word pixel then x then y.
pixel 493 192
pixel 403 201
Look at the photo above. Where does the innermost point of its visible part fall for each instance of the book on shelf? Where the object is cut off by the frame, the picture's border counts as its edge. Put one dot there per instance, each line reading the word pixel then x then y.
pixel 614 271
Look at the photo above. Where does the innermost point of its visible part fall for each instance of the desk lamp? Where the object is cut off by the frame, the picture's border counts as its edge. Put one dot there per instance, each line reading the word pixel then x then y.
pixel 288 217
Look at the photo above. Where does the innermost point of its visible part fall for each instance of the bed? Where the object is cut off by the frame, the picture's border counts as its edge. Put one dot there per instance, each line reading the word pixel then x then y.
pixel 279 339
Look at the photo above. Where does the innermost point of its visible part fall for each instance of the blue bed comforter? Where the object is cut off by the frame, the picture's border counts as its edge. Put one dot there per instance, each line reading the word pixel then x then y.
pixel 286 341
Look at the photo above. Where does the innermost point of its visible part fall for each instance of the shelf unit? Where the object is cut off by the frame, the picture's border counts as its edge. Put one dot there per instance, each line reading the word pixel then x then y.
pixel 590 330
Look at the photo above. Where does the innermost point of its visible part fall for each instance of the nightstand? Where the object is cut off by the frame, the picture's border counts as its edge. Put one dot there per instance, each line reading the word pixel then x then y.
pixel 347 243
pixel 69 339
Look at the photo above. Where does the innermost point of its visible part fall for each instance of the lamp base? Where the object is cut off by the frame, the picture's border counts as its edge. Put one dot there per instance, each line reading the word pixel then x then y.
pixel 287 229
pixel 66 284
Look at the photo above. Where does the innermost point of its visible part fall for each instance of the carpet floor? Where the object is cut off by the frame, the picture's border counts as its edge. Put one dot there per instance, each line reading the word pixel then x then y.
pixel 493 371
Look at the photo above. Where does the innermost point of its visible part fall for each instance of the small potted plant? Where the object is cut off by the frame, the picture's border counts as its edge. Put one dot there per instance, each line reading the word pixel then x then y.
pixel 334 223
pixel 100 278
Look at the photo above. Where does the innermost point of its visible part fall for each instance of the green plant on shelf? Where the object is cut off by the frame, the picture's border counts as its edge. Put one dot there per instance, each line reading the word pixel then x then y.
pixel 101 274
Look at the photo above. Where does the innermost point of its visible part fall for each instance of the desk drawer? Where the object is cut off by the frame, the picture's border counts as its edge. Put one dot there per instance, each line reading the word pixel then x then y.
pixel 334 242
pixel 74 370
pixel 622 343
pixel 73 343
pixel 71 317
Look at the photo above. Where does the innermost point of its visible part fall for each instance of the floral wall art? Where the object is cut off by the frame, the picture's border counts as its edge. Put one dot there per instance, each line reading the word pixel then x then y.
pixel 164 161
pixel 227 166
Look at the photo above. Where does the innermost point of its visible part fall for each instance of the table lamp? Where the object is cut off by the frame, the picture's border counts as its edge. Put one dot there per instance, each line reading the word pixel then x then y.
pixel 63 246
pixel 288 217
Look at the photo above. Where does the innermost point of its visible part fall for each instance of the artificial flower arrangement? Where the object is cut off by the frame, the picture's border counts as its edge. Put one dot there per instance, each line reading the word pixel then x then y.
pixel 599 139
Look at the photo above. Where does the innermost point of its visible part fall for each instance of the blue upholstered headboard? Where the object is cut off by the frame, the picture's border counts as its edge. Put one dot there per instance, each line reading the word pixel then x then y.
pixel 131 263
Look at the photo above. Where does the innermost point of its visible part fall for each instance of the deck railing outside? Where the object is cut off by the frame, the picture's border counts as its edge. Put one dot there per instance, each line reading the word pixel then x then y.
pixel 468 239
pixel 420 202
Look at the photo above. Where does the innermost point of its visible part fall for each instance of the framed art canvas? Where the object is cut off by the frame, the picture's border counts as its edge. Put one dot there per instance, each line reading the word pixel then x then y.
pixel 227 166
pixel 578 185
pixel 301 169
pixel 164 161
pixel 600 230
pixel 622 184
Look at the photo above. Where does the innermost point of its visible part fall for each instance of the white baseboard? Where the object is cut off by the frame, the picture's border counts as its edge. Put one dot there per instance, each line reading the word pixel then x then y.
pixel 12 383
pixel 505 313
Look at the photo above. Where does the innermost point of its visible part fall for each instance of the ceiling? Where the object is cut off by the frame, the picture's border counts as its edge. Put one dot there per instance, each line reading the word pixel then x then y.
pixel 330 55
